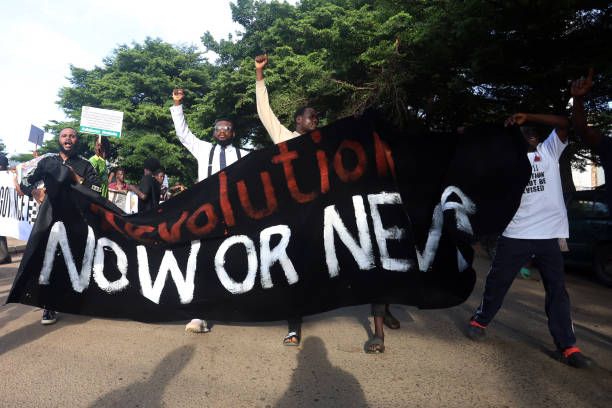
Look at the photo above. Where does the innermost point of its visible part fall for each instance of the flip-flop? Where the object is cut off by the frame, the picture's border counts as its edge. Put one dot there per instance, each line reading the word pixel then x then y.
pixel 375 345
pixel 288 340
pixel 391 322
pixel 525 273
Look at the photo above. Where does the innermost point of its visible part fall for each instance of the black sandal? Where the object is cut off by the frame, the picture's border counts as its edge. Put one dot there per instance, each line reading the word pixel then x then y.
pixel 390 321
pixel 375 345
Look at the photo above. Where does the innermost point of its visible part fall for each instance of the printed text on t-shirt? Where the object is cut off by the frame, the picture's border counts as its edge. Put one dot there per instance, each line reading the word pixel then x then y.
pixel 537 182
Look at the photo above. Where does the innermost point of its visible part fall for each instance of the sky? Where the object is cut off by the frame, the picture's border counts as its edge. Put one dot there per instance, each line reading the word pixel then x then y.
pixel 41 39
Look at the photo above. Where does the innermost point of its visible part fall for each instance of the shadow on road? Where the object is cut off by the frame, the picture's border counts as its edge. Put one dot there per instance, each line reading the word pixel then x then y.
pixel 316 382
pixel 149 393
pixel 360 313
pixel 35 330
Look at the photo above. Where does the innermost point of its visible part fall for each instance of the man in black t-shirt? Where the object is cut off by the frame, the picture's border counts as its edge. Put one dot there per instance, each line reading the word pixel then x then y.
pixel 149 188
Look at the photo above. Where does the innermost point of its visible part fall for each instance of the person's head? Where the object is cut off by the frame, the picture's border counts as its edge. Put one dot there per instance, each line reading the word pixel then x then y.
pixel 102 147
pixel 224 132
pixel 151 165
pixel 3 162
pixel 531 137
pixel 159 175
pixel 67 140
pixel 120 174
pixel 306 119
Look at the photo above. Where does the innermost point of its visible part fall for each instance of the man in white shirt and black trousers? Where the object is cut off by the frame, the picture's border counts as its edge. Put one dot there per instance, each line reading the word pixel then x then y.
pixel 538 228
pixel 211 159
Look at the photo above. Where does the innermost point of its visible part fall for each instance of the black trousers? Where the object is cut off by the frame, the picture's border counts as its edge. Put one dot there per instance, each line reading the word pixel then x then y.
pixel 510 256
pixel 295 325
pixel 4 254
pixel 379 309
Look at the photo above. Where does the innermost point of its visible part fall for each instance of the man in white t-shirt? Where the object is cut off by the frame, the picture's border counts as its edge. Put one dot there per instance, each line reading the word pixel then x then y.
pixel 536 230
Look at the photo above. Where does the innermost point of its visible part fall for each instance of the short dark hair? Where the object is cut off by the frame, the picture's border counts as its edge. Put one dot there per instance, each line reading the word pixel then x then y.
pixel 156 172
pixel 69 127
pixel 120 168
pixel 300 111
pixel 224 120
pixel 151 164
pixel 105 144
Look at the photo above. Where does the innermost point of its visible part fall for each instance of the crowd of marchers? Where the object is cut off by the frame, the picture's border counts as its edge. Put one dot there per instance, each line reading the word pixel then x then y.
pixel 536 232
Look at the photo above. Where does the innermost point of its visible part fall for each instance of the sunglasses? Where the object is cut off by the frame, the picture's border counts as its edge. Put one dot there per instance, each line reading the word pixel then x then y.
pixel 218 128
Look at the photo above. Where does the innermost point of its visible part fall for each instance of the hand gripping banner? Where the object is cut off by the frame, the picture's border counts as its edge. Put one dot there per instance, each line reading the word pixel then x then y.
pixel 352 213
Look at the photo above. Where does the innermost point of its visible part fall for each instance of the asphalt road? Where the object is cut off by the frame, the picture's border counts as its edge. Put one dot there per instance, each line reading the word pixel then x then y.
pixel 87 362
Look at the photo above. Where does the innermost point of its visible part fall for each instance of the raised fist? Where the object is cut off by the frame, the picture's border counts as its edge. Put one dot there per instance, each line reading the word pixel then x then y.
pixel 177 96
pixel 261 61
pixel 516 119
pixel 582 86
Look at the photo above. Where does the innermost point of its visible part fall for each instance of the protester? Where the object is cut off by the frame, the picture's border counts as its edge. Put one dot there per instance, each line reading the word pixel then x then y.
pixel 119 184
pixel 98 160
pixel 535 229
pixel 149 188
pixel 601 145
pixel 305 117
pixel 211 159
pixel 160 175
pixel 306 120
pixel 81 172
pixel 5 257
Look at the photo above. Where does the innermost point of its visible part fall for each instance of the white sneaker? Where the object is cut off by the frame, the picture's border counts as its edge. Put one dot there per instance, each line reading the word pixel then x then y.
pixel 197 326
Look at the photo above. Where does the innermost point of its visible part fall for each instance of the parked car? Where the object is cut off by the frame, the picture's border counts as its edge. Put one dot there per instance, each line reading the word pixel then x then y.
pixel 590 240
pixel 590 234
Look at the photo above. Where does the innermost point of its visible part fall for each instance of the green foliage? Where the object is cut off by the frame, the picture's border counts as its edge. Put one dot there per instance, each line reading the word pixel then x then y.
pixel 422 64
pixel 138 80
pixel 23 157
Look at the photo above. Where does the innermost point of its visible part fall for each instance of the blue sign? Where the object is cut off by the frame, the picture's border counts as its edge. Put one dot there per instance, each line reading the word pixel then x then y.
pixel 36 135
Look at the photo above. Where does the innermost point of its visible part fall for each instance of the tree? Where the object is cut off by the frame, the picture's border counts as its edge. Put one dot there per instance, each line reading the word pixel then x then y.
pixel 138 80
pixel 22 157
pixel 424 65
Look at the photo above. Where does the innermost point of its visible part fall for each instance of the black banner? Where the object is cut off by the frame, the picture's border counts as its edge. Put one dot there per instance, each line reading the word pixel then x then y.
pixel 348 214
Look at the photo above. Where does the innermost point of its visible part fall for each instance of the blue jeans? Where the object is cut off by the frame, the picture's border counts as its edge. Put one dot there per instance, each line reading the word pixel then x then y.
pixel 510 256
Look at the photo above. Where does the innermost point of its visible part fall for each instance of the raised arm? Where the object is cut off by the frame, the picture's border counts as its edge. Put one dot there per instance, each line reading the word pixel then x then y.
pixel 560 123
pixel 278 133
pixel 580 88
pixel 188 139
